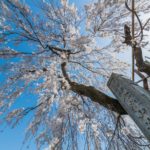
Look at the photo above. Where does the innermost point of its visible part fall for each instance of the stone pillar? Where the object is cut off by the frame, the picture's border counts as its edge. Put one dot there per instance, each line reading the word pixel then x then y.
pixel 134 99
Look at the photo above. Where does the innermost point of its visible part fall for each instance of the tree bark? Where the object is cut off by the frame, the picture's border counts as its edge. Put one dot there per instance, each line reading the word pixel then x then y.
pixel 143 66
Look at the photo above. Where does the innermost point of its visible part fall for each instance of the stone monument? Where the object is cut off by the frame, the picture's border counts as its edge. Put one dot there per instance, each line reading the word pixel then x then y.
pixel 134 99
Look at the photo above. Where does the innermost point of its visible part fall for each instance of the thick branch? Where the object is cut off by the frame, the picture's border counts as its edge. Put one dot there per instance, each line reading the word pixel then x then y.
pixel 142 65
pixel 144 79
pixel 94 94
pixel 97 96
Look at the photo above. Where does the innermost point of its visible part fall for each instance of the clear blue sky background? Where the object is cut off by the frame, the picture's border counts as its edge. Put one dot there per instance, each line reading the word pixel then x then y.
pixel 12 139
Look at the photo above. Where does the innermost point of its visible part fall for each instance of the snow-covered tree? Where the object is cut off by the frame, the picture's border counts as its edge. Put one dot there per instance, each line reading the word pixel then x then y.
pixel 64 56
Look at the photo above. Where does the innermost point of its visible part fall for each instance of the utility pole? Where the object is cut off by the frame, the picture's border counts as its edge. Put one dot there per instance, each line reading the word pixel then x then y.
pixel 133 9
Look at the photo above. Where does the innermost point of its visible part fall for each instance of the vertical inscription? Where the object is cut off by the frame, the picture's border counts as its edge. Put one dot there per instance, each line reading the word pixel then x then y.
pixel 134 99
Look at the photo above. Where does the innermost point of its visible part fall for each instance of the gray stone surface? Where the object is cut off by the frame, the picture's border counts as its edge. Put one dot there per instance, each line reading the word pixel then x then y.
pixel 134 99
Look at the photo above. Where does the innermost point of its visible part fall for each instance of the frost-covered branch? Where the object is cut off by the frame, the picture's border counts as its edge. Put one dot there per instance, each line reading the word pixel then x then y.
pixel 94 94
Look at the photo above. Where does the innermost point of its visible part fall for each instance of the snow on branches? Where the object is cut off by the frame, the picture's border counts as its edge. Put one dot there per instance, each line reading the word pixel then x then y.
pixel 62 58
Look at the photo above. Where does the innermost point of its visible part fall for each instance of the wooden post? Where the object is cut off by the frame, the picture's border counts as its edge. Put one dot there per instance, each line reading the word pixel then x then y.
pixel 134 99
pixel 133 39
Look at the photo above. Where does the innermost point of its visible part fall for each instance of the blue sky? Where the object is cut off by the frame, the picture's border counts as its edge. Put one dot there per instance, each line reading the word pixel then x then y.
pixel 12 139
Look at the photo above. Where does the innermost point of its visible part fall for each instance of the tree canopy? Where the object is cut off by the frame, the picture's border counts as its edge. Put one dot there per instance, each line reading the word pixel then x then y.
pixel 63 56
